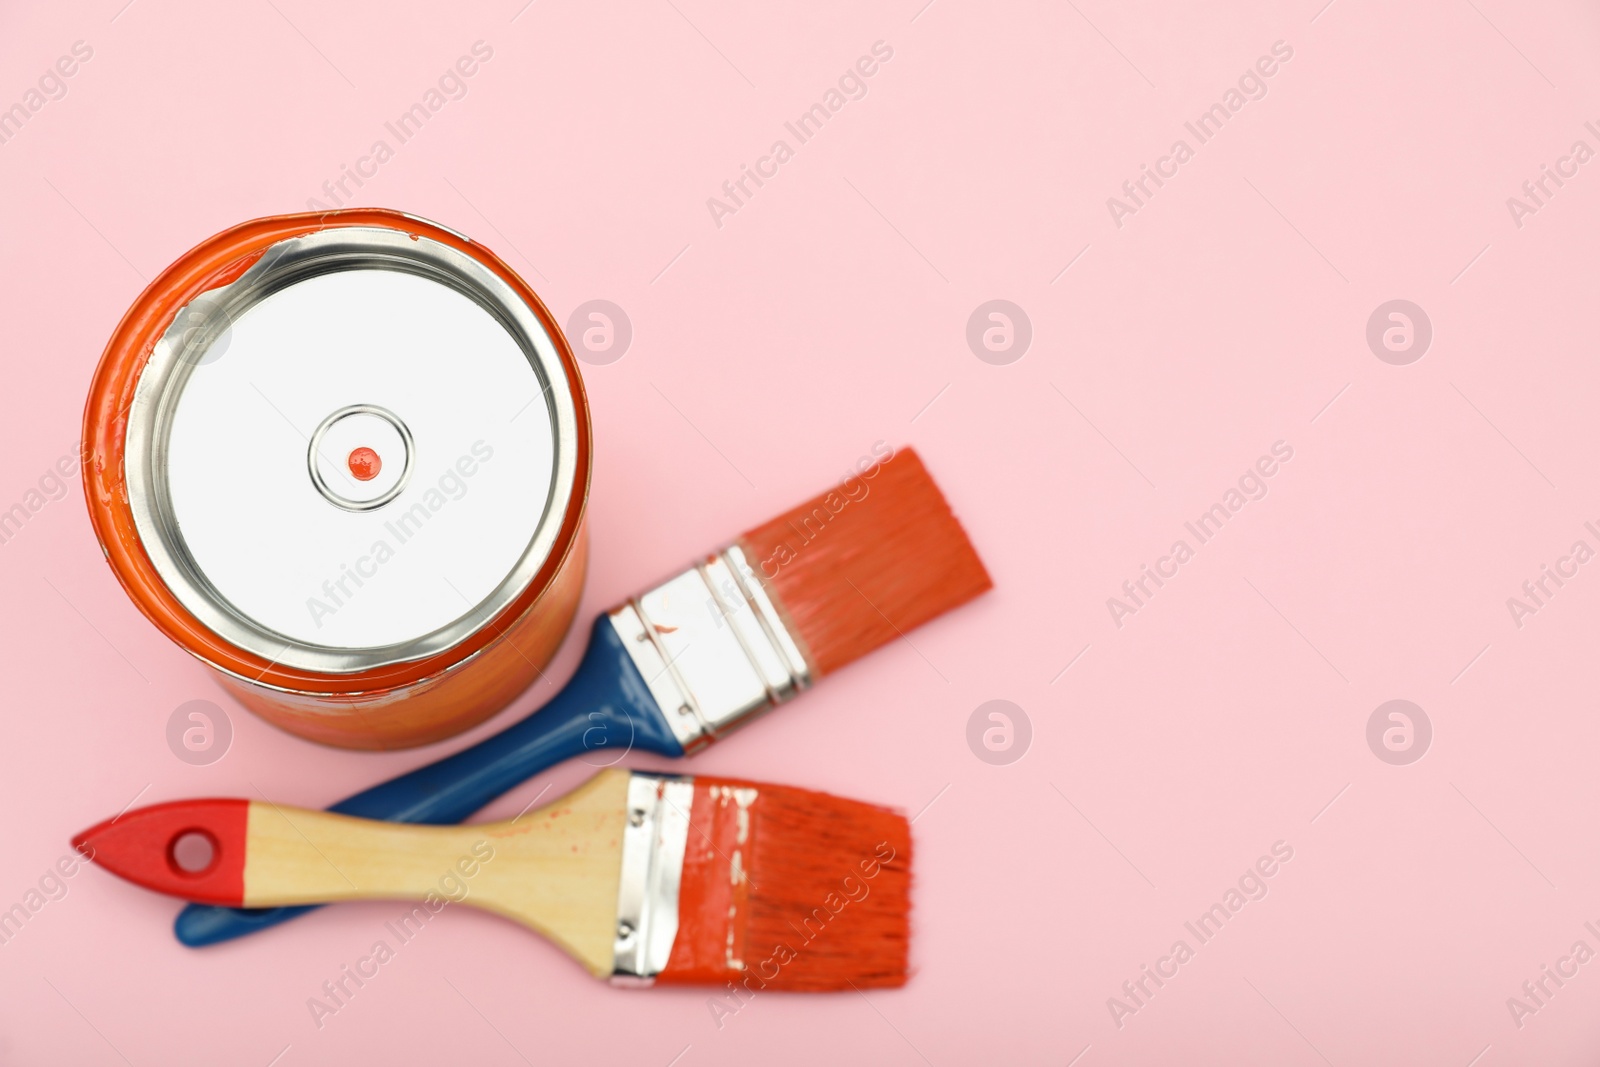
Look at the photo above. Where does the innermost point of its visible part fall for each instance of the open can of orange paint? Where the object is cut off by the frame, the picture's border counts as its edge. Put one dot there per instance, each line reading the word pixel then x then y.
pixel 343 459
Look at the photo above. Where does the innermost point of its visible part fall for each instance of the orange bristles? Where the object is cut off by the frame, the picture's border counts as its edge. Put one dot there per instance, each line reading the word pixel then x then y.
pixel 866 561
pixel 787 889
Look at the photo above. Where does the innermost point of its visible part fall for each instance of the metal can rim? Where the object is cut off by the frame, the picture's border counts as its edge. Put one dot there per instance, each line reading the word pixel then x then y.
pixel 220 261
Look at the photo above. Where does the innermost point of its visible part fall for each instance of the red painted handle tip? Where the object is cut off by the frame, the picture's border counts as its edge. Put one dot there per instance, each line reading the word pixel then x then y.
pixel 194 849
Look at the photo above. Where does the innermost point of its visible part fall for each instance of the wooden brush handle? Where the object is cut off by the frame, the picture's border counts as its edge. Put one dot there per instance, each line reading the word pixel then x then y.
pixel 296 856
pixel 556 869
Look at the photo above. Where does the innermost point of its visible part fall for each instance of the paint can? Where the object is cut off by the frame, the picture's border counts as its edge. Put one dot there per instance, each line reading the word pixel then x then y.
pixel 343 459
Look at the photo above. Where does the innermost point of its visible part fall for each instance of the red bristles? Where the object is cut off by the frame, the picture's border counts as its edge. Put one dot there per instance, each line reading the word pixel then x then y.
pixel 787 889
pixel 866 561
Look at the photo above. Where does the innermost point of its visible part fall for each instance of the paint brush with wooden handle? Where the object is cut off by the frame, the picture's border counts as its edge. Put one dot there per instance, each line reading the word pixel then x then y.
pixel 679 666
pixel 640 877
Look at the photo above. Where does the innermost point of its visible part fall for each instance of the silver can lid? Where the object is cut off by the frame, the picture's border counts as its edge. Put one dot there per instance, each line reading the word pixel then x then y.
pixel 356 454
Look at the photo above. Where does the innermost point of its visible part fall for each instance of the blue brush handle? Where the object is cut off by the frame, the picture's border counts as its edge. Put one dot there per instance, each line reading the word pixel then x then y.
pixel 606 706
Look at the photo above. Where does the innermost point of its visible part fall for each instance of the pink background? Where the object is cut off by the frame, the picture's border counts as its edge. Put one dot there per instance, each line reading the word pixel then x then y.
pixel 768 354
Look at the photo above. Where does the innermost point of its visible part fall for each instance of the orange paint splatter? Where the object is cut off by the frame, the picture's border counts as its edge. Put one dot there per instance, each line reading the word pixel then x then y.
pixel 364 463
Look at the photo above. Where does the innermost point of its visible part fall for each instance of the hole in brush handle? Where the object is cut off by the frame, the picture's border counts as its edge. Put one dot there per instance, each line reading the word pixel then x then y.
pixel 193 852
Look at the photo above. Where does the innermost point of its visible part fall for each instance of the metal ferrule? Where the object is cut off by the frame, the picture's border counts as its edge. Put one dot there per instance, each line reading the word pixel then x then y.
pixel 653 846
pixel 712 648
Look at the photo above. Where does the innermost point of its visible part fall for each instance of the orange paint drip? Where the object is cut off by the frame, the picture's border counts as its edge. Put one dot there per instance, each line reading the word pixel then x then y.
pixel 364 464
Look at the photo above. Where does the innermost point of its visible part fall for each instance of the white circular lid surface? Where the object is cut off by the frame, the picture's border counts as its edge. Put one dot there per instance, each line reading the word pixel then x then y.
pixel 477 471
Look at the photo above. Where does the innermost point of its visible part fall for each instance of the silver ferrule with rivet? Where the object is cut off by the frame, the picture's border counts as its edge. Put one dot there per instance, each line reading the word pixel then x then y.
pixel 653 845
pixel 712 647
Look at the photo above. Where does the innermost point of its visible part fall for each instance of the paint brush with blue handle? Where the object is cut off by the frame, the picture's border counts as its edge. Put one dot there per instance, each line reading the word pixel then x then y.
pixel 679 666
